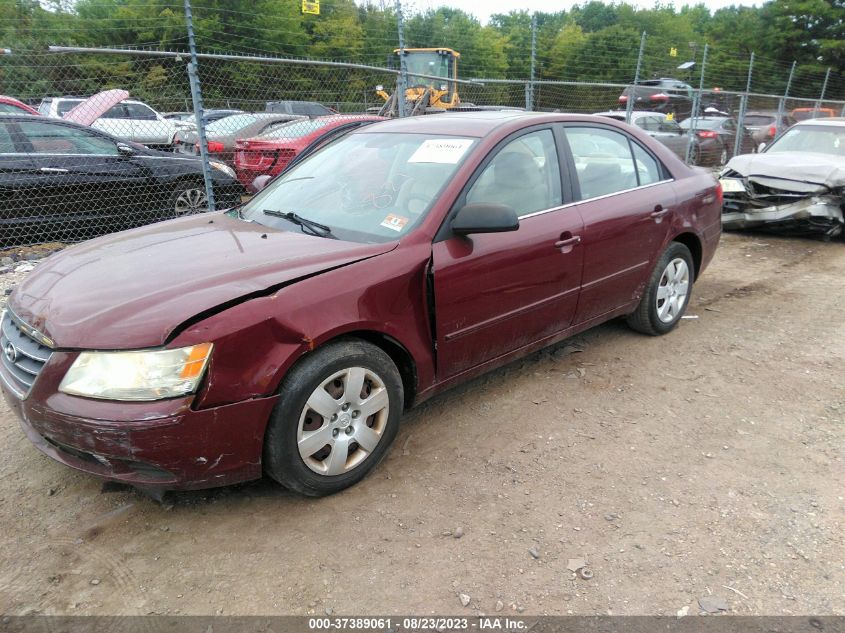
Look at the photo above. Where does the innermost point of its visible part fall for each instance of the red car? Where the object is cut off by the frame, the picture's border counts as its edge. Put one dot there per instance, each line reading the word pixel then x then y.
pixel 10 105
pixel 288 335
pixel 271 152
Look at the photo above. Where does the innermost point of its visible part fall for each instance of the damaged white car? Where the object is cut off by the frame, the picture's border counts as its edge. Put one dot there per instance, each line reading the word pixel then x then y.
pixel 797 185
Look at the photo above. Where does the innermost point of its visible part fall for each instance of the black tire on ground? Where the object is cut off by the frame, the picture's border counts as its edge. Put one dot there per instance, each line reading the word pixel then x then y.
pixel 645 318
pixel 282 460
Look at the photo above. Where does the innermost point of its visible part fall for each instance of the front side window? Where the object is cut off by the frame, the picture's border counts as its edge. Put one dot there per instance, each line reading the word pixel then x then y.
pixel 365 187
pixel 62 139
pixel 524 175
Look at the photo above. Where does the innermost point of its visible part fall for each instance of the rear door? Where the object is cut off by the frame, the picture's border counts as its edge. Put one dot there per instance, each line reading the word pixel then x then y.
pixel 626 202
pixel 498 292
pixel 81 175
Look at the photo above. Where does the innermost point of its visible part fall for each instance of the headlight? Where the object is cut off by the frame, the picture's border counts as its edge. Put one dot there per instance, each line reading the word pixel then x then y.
pixel 143 375
pixel 223 167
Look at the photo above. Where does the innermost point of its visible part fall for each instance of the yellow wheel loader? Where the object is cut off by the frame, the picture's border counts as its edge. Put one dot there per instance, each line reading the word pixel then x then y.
pixel 425 94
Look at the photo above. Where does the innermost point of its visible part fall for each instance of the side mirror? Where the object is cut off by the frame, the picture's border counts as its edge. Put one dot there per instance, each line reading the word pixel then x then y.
pixel 485 217
pixel 125 150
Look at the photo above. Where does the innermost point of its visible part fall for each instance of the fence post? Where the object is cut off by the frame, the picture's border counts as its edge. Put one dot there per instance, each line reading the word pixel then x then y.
pixel 629 104
pixel 782 102
pixel 743 105
pixel 402 79
pixel 529 94
pixel 199 113
pixel 696 104
pixel 824 89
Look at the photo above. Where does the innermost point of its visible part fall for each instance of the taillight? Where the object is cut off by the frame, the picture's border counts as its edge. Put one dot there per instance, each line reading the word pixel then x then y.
pixel 623 98
pixel 215 146
pixel 660 96
pixel 773 130
pixel 285 156
pixel 720 194
pixel 706 134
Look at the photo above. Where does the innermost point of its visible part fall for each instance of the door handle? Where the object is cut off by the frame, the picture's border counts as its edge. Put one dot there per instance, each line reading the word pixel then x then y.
pixel 659 212
pixel 567 241
pixel 53 170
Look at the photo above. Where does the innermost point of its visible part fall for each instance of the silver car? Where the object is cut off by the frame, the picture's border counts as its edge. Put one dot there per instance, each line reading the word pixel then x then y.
pixel 129 120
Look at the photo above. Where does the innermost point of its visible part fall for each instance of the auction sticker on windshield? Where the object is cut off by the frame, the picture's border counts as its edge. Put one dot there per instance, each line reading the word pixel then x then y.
pixel 441 150
pixel 395 222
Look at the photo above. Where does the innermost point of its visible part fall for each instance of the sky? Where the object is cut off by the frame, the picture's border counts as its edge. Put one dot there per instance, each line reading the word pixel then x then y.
pixel 482 9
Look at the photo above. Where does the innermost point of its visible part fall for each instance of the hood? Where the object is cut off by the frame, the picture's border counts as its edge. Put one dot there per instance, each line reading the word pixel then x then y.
pixel 132 289
pixel 95 106
pixel 805 167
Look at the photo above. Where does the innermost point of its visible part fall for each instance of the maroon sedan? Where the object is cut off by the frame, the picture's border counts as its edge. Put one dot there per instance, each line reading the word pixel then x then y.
pixel 287 336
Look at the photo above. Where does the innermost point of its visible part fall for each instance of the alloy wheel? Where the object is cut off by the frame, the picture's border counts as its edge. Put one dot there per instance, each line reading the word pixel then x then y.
pixel 673 290
pixel 191 201
pixel 343 421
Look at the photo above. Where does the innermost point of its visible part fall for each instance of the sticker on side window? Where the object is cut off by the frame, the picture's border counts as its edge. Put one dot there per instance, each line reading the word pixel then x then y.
pixel 441 150
pixel 394 222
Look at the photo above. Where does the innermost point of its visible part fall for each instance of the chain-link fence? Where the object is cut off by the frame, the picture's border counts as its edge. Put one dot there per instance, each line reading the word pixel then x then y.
pixel 135 155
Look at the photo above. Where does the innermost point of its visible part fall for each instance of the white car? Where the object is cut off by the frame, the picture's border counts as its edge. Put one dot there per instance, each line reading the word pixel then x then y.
pixel 130 120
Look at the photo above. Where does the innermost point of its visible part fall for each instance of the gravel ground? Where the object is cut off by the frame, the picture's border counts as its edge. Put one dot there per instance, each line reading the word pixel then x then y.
pixel 704 468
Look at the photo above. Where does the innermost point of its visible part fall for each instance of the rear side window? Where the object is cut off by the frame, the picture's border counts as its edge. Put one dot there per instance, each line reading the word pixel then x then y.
pixel 6 144
pixel 61 139
pixel 648 169
pixel 140 111
pixel 603 161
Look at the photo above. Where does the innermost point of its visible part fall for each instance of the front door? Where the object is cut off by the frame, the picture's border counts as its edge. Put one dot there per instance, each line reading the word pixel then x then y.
pixel 497 292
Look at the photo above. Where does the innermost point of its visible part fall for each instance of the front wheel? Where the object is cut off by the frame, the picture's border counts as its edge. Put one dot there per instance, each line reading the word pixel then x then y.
pixel 667 294
pixel 188 199
pixel 338 413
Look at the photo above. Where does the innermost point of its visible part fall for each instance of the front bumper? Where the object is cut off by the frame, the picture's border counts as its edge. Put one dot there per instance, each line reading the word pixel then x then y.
pixel 164 444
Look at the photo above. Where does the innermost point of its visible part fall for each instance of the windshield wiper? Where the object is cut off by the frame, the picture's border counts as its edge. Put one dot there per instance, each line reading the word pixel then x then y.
pixel 314 228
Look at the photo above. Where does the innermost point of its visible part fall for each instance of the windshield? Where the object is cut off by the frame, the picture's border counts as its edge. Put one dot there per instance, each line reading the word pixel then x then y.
pixel 822 139
pixel 231 123
pixel 364 187
pixel 428 63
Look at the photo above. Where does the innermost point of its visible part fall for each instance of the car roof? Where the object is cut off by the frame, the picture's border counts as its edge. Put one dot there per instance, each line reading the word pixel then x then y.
pixel 475 124
pixel 834 121
pixel 634 113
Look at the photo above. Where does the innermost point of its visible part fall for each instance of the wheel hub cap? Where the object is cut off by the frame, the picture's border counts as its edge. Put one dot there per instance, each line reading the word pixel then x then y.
pixel 343 421
pixel 673 290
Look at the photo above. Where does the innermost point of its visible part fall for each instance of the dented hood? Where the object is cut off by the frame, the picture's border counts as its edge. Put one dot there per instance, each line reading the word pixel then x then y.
pixel 132 289
pixel 804 167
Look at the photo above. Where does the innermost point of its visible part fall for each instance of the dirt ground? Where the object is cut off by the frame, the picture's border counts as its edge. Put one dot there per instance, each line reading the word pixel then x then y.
pixel 705 463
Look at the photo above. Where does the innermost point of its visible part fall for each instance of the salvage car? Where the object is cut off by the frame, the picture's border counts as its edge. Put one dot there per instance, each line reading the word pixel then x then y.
pixel 269 153
pixel 288 335
pixel 795 186
pixel 671 96
pixel 222 134
pixel 714 138
pixel 10 105
pixel 765 125
pixel 61 180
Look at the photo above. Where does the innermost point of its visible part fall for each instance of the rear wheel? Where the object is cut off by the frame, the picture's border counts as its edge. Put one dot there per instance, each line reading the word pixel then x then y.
pixel 337 415
pixel 667 294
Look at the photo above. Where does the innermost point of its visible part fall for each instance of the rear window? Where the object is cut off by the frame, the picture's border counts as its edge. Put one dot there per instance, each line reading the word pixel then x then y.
pixel 759 119
pixel 296 129
pixel 702 124
pixel 231 123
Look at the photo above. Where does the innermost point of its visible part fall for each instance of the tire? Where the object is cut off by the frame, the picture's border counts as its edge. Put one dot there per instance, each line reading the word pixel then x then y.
pixel 723 156
pixel 305 466
pixel 188 198
pixel 650 317
pixel 695 156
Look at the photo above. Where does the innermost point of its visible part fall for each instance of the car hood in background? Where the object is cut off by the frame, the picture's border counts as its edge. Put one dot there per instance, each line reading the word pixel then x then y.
pixel 132 289
pixel 95 106
pixel 805 167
